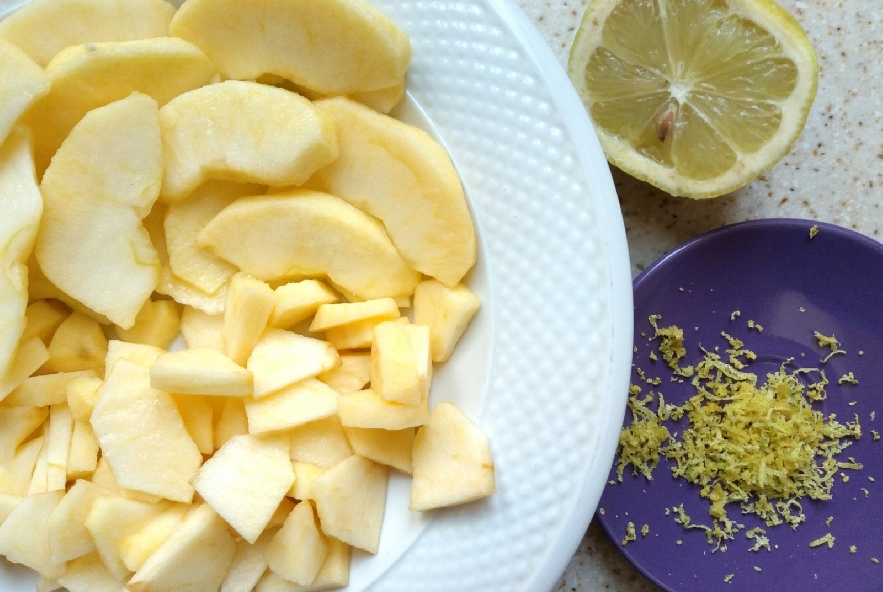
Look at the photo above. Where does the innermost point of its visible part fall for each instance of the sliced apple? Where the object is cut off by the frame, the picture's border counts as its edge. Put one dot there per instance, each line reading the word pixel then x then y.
pixel 249 305
pixel 195 557
pixel 43 318
pixel 102 182
pixel 85 77
pixel 245 132
pixel 200 371
pixel 245 481
pixel 305 233
pixel 231 422
pixel 402 176
pixel 282 358
pixel 68 536
pixel 298 550
pixel 334 573
pixel 352 375
pixel 83 458
pixel 24 535
pixel 447 312
pixel 42 28
pixel 394 372
pixel 451 460
pixel 22 205
pixel 46 389
pixel 157 323
pixel 16 424
pixel 142 435
pixel 197 413
pixel 184 221
pixel 137 547
pixel 304 475
pixel 367 409
pixel 333 47
pixel 248 565
pixel 387 447
pixel 17 472
pixel 329 316
pixel 202 330
pixel 297 301
pixel 297 404
pixel 88 574
pixel 351 499
pixel 321 442
pixel 78 344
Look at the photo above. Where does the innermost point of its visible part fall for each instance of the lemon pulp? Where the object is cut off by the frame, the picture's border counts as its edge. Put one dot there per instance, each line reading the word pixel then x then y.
pixel 697 97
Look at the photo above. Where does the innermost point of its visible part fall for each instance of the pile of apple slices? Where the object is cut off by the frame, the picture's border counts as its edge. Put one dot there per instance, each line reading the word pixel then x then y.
pixel 226 173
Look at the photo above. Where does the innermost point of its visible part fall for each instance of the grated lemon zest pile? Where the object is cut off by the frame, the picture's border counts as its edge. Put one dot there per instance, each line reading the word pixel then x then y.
pixel 761 446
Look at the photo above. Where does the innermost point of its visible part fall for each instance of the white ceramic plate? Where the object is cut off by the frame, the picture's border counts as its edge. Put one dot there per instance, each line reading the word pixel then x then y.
pixel 544 367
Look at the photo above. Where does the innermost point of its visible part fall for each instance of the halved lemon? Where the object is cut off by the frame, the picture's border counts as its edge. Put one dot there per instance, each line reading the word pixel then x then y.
pixel 696 97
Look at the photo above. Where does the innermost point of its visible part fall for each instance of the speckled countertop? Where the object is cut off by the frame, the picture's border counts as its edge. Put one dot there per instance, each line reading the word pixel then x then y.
pixel 834 174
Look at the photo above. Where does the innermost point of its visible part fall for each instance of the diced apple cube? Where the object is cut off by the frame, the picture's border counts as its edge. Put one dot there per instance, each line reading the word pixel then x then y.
pixel 387 447
pixel 195 557
pixel 43 318
pixel 82 394
pixel 351 499
pixel 24 535
pixel 200 371
pixel 201 329
pixel 140 545
pixel 300 403
pixel 320 442
pixel 329 316
pixel 245 481
pixel 249 305
pixel 142 435
pixel 61 425
pixel 157 323
pixel 45 389
pixel 68 536
pixel 78 344
pixel 298 550
pixel 88 574
pixel 232 421
pixel 304 475
pixel 16 424
pixel 111 520
pixel 452 461
pixel 16 473
pixel 446 311
pixel 367 409
pixel 282 358
pixel 352 375
pixel 197 414
pixel 29 358
pixel 297 301
pixel 83 458
pixel 394 365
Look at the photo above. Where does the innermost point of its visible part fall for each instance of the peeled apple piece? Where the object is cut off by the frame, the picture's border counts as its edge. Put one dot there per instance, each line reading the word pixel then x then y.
pixel 302 233
pixel 399 174
pixel 333 47
pixel 86 77
pixel 100 185
pixel 21 205
pixel 42 28
pixel 245 132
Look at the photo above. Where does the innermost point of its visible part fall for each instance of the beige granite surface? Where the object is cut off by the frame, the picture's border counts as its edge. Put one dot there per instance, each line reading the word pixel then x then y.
pixel 834 174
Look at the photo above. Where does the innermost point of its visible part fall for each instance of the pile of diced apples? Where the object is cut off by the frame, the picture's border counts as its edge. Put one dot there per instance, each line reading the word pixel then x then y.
pixel 226 173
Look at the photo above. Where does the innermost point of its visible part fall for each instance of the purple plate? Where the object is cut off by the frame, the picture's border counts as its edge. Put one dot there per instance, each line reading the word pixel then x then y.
pixel 774 274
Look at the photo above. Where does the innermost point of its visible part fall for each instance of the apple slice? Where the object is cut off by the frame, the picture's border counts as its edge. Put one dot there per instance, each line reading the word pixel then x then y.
pixel 24 535
pixel 245 481
pixel 332 47
pixel 321 442
pixel 387 447
pixel 351 499
pixel 202 330
pixel 101 183
pixel 22 205
pixel 249 305
pixel 451 460
pixel 85 77
pixel 111 520
pixel 400 175
pixel 329 316
pixel 297 301
pixel 297 404
pixel 352 375
pixel 137 547
pixel 42 28
pixel 195 557
pixel 306 233
pixel 157 323
pixel 184 221
pixel 142 435
pixel 16 473
pixel 367 409
pixel 298 550
pixel 16 424
pixel 88 574
pixel 245 132
pixel 334 573
pixel 200 371
pixel 282 358
pixel 43 318
pixel 447 312
pixel 68 536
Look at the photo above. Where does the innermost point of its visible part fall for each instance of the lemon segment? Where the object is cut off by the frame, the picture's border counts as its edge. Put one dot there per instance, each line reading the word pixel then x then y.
pixel 697 97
